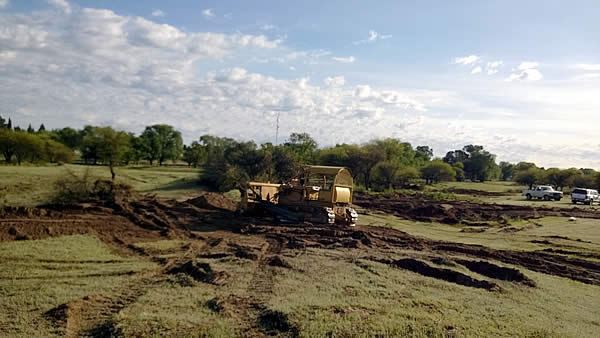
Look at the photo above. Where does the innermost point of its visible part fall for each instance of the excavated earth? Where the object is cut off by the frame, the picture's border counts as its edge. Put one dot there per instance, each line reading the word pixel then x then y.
pixel 417 208
pixel 213 229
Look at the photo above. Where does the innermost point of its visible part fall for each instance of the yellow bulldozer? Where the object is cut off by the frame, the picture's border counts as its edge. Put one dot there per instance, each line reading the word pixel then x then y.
pixel 318 194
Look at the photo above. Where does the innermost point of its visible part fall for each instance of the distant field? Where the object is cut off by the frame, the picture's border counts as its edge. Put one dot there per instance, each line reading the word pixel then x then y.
pixel 32 185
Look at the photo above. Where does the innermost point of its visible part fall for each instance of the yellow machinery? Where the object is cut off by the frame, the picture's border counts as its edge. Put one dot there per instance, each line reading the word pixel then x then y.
pixel 318 194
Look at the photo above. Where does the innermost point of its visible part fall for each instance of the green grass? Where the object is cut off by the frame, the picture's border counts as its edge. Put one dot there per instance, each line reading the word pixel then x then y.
pixel 29 185
pixel 36 276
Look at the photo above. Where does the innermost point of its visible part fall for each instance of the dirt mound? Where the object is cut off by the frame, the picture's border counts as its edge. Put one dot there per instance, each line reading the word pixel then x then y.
pixel 201 272
pixel 448 275
pixel 213 200
pixel 277 323
pixel 497 272
pixel 278 261
pixel 417 208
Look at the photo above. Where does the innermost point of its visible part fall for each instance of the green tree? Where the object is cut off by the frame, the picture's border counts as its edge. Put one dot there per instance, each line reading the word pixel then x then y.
pixel 384 174
pixel 2 123
pixel 163 143
pixel 42 128
pixel 437 171
pixel 112 147
pixel 529 177
pixel 507 171
pixel 30 129
pixel 303 146
pixel 7 144
pixel 9 125
pixel 56 152
pixel 69 137
pixel 194 154
pixel 27 146
pixel 424 152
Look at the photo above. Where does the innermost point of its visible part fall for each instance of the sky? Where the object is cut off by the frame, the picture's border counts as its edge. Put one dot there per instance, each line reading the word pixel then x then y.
pixel 521 78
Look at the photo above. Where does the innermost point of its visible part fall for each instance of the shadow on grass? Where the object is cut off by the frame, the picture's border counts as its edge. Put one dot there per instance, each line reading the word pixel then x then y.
pixel 182 184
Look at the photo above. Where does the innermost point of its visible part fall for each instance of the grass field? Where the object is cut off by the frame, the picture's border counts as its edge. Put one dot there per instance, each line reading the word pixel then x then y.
pixel 31 185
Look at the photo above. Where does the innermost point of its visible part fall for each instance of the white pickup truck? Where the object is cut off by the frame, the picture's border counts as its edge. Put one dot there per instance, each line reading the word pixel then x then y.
pixel 543 191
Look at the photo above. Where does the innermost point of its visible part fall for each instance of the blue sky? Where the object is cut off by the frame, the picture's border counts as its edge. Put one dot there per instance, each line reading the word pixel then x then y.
pixel 520 78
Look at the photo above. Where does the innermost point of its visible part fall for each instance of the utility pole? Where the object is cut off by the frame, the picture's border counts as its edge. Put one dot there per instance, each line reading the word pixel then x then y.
pixel 277 129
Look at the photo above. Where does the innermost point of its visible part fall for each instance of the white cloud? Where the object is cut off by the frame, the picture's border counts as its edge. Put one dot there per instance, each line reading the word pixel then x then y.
pixel 492 67
pixel 62 4
pixel 528 65
pixel 208 13
pixel 158 13
pixel 588 67
pixel 337 81
pixel 467 60
pixel 526 75
pixel 528 72
pixel 476 70
pixel 267 27
pixel 373 36
pixel 3 3
pixel 349 59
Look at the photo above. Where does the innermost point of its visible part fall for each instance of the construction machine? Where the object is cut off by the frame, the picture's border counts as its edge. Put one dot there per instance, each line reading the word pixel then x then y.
pixel 318 194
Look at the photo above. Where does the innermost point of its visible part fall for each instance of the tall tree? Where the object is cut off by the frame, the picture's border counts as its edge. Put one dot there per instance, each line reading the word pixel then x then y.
pixel 9 125
pixel 2 122
pixel 163 143
pixel 507 171
pixel 7 144
pixel 30 129
pixel 42 128
pixel 303 146
pixel 112 148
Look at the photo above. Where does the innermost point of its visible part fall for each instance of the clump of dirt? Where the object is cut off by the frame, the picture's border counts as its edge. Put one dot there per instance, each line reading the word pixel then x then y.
pixel 277 261
pixel 497 272
pixel 201 272
pixel 473 230
pixel 211 200
pixel 448 275
pixel 244 252
pixel 277 323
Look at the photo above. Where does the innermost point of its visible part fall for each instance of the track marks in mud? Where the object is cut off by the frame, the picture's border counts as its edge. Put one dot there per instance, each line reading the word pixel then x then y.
pixel 200 272
pixel 448 275
pixel 94 315
pixel 255 319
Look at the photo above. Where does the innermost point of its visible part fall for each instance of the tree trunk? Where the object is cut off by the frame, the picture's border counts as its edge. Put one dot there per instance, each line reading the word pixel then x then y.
pixel 112 171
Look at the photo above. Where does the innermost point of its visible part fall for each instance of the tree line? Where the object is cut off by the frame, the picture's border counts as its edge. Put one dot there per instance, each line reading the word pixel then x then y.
pixel 381 164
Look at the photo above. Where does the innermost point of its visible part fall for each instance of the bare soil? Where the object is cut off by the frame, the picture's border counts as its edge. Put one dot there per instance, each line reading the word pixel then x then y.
pixel 417 208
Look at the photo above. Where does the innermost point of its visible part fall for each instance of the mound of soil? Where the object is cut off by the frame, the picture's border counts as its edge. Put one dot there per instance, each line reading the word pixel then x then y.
pixel 278 261
pixel 201 272
pixel 448 275
pixel 474 192
pixel 212 200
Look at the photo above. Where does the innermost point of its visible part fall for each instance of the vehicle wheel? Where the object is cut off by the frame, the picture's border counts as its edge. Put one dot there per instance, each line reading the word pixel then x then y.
pixel 588 203
pixel 574 202
pixel 529 196
pixel 558 198
pixel 546 198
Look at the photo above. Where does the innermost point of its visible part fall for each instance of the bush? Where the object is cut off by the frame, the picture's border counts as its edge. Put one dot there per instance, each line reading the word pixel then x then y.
pixel 74 189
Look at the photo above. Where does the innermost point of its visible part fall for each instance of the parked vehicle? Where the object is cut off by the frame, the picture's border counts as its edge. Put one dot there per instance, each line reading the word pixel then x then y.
pixel 543 191
pixel 585 196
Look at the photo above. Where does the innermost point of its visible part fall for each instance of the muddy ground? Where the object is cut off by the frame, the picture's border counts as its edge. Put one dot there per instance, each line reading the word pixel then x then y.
pixel 214 230
pixel 417 208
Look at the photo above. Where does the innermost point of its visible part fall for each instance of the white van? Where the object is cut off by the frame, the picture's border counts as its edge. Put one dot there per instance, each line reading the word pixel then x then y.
pixel 585 196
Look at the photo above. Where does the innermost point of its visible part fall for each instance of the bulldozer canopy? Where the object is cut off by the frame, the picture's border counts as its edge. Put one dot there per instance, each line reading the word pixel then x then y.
pixel 342 175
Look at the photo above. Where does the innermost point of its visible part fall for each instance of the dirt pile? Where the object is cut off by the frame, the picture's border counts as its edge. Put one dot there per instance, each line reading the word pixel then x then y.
pixel 417 208
pixel 210 200
pixel 448 275
pixel 497 272
pixel 201 272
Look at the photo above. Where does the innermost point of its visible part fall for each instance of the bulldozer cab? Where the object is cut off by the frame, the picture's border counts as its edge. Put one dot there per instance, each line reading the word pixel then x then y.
pixel 331 185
